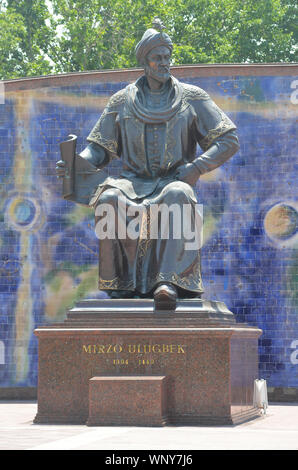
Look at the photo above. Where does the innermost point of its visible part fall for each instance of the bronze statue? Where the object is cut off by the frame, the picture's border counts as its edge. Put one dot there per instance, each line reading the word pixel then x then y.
pixel 154 126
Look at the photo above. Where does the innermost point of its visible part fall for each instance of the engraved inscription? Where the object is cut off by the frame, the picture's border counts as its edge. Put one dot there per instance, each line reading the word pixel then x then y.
pixel 133 350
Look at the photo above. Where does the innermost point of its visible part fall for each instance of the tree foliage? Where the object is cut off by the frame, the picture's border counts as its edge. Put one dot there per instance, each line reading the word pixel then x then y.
pixel 12 28
pixel 26 38
pixel 50 36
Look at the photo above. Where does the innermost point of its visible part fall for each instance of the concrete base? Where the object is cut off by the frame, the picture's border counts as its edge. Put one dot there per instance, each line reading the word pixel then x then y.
pixel 210 366
pixel 277 430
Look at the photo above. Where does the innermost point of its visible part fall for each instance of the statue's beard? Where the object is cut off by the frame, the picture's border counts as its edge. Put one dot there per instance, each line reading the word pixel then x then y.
pixel 161 76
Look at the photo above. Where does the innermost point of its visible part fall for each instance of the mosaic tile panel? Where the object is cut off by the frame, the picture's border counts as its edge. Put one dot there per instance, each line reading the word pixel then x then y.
pixel 48 248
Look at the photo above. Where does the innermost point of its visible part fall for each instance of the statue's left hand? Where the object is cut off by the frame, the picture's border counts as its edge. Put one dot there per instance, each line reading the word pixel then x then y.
pixel 188 173
pixel 61 170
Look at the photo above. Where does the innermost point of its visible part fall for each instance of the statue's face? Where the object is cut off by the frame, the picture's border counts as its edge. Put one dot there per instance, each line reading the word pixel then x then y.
pixel 158 64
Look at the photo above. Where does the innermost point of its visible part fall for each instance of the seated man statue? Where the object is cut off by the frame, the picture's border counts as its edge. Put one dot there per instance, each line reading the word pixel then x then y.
pixel 154 125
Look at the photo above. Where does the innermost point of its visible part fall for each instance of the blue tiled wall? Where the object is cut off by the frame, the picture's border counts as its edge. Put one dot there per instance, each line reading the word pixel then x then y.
pixel 48 249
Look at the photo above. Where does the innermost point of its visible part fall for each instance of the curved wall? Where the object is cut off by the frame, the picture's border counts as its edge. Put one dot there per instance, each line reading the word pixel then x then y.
pixel 48 249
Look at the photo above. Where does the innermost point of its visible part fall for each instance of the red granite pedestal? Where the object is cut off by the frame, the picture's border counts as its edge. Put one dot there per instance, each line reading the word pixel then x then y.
pixel 121 362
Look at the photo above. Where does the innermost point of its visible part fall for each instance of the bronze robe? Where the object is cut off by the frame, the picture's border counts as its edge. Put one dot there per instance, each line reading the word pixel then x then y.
pixel 154 133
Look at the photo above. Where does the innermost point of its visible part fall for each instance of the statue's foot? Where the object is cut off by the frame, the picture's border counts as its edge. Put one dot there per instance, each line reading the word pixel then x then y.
pixel 165 296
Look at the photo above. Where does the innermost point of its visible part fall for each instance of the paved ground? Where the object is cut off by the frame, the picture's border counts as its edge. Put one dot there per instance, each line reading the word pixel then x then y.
pixel 278 430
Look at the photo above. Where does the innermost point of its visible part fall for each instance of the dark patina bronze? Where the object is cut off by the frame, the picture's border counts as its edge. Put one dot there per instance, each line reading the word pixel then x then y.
pixel 154 126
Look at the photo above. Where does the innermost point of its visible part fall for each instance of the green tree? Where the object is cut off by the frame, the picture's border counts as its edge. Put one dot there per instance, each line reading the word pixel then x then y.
pixel 102 34
pixel 234 31
pixel 99 34
pixel 76 35
pixel 33 37
pixel 12 28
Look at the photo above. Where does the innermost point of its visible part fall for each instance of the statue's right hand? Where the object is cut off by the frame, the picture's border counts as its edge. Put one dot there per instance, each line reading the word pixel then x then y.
pixel 60 169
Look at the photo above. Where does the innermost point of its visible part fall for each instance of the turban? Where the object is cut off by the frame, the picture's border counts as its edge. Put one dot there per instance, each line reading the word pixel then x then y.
pixel 151 39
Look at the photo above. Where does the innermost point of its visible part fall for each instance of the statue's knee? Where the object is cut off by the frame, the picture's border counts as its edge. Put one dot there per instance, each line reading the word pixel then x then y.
pixel 177 192
pixel 109 196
